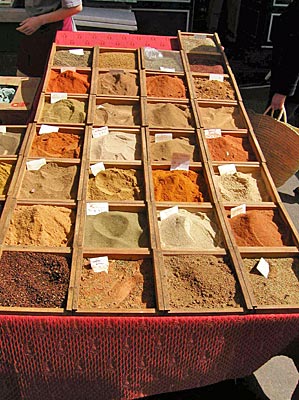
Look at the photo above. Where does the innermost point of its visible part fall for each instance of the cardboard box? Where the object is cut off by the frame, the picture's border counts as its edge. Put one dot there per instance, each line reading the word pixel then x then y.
pixel 18 110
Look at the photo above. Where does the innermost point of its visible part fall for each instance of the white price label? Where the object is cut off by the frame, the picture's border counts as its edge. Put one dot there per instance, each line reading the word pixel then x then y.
pixel 63 69
pixel 216 77
pixel 96 168
pixel 3 128
pixel 168 212
pixel 165 69
pixel 101 131
pixel 162 137
pixel 180 161
pixel 47 129
pixel 241 209
pixel 99 264
pixel 263 267
pixel 96 208
pixel 227 169
pixel 56 96
pixel 212 133
pixel 77 52
pixel 35 165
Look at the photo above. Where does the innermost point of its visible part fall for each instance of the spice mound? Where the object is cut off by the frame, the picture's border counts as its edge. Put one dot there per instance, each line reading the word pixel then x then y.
pixel 117 114
pixel 190 230
pixel 201 281
pixel 115 184
pixel 6 171
pixel 68 82
pixel 117 60
pixel 169 115
pixel 230 148
pixel 9 143
pixel 165 86
pixel 66 110
pixel 165 150
pixel 178 186
pixel 241 187
pixel 66 58
pixel 41 225
pixel 51 181
pixel 260 228
pixel 116 229
pixel 224 117
pixel 213 89
pixel 118 83
pixel 193 44
pixel 129 284
pixel 56 144
pixel 34 279
pixel 116 146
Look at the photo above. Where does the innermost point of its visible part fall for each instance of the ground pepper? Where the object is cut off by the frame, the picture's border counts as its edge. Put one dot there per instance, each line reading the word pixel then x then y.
pixel 177 185
pixel 68 82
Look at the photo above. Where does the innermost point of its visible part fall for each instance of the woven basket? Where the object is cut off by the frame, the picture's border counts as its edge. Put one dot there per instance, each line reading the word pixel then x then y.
pixel 279 142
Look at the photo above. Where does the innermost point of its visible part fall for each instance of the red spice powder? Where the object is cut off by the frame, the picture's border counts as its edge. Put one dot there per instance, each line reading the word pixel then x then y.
pixel 260 228
pixel 230 148
pixel 68 82
pixel 178 185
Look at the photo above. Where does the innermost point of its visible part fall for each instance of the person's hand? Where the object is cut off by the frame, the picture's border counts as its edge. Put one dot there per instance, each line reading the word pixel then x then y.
pixel 278 101
pixel 30 25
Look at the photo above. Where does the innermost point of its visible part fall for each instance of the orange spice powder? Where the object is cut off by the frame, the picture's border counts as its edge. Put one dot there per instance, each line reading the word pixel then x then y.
pixel 68 82
pixel 177 185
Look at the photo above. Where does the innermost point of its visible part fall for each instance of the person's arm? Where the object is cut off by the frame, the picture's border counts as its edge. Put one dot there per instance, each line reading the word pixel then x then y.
pixel 32 24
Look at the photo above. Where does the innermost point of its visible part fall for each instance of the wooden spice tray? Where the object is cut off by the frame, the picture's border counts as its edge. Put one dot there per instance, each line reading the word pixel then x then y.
pixel 202 181
pixel 38 130
pixel 217 82
pixel 121 86
pixel 32 185
pixel 206 43
pixel 111 58
pixel 83 73
pixel 50 270
pixel 170 108
pixel 158 138
pixel 170 81
pixel 230 116
pixel 255 171
pixel 46 99
pixel 161 60
pixel 133 276
pixel 274 286
pixel 114 177
pixel 206 63
pixel 79 60
pixel 284 230
pixel 138 135
pixel 200 296
pixel 132 119
pixel 20 132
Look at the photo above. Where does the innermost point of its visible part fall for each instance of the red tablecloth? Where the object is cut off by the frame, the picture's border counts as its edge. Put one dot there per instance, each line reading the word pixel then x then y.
pixel 88 358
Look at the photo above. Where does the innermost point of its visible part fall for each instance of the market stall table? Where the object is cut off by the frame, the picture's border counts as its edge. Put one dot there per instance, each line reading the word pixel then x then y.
pixel 127 357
